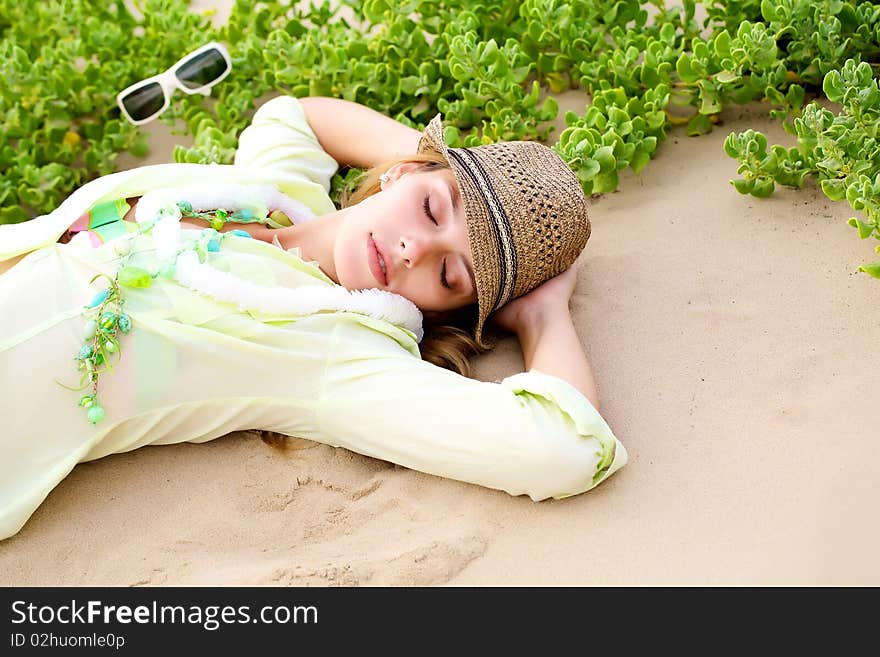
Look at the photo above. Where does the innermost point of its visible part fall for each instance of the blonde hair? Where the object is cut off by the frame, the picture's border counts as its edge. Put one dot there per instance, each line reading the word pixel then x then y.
pixel 449 340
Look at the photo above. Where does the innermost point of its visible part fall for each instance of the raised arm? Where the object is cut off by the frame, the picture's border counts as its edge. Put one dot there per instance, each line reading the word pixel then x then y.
pixel 356 135
pixel 531 433
pixel 542 323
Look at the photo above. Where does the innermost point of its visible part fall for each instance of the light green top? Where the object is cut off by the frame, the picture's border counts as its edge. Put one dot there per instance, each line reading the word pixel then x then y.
pixel 194 368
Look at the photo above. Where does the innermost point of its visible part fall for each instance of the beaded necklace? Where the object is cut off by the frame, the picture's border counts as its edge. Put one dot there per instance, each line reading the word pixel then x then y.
pixel 101 333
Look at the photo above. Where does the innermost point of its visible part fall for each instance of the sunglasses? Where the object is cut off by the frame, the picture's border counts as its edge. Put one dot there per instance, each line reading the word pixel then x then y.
pixel 195 73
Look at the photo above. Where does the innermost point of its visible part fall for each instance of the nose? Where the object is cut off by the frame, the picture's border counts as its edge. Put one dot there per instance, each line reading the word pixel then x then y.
pixel 414 249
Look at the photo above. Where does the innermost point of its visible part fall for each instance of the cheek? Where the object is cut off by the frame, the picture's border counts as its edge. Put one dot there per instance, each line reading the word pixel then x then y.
pixel 349 261
pixel 350 247
pixel 423 290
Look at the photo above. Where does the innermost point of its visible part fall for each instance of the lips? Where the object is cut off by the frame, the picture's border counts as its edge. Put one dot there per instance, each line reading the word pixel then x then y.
pixel 373 260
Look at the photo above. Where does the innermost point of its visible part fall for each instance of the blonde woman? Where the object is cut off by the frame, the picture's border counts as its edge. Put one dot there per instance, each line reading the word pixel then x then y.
pixel 197 300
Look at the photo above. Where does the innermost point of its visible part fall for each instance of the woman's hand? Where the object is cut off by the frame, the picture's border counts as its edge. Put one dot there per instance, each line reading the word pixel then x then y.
pixel 543 324
pixel 546 299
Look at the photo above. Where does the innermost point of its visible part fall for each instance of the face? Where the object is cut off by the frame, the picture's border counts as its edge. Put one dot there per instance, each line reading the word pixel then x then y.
pixel 416 227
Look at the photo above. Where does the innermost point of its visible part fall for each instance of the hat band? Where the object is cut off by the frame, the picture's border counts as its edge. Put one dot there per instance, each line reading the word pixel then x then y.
pixel 499 221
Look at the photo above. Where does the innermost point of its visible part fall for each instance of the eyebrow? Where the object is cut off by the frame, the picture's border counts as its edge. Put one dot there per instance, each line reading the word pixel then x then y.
pixel 455 205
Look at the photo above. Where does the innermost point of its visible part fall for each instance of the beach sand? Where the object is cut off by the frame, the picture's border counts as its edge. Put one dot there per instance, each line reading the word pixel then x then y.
pixel 734 345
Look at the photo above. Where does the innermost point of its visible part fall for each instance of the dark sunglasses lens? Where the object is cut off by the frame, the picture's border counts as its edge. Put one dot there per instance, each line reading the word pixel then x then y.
pixel 144 102
pixel 202 69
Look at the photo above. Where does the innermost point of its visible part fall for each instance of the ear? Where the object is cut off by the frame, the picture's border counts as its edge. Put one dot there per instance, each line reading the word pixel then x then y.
pixel 398 171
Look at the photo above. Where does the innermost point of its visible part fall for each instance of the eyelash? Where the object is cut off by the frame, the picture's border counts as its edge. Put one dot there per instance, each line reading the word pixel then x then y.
pixel 427 207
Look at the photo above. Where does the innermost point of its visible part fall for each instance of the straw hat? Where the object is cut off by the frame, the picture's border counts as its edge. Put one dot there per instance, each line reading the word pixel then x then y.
pixel 526 214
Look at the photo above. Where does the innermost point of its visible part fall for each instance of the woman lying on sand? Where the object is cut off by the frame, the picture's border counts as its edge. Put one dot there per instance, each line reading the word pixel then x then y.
pixel 273 310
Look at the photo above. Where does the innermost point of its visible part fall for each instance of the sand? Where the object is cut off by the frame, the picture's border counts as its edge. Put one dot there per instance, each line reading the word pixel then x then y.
pixel 734 345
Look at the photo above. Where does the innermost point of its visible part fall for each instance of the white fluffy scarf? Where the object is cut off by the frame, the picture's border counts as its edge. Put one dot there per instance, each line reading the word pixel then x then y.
pixel 304 300
pixel 223 286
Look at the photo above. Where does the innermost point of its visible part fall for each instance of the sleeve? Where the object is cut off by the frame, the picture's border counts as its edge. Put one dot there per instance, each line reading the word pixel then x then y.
pixel 532 433
pixel 279 137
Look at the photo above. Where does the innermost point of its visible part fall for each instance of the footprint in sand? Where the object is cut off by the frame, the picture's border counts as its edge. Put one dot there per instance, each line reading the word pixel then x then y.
pixel 324 517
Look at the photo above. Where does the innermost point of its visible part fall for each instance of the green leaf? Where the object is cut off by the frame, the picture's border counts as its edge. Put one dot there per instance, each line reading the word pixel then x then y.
pixel 832 85
pixel 865 230
pixel 722 44
pixel 795 96
pixel 699 125
pixel 605 182
pixel 731 146
pixel 763 187
pixel 617 115
pixel 743 186
pixel 374 10
pixel 872 269
pixel 656 120
pixel 605 157
pixel 490 52
pixel 13 214
pixel 589 169
pixel 835 189
pixel 769 11
pixel 710 98
pixel 684 69
pixel 639 160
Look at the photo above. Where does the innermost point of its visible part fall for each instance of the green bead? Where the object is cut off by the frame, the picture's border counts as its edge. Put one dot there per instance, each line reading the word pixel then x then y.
pixel 280 218
pixel 108 320
pixel 87 401
pixel 213 245
pixel 95 413
pixel 217 223
pixel 110 347
pixel 124 323
pixel 222 214
pixel 134 277
pixel 185 206
pixel 99 358
pixel 85 351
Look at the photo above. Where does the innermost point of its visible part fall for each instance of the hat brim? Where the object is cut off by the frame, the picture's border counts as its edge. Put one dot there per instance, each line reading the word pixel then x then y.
pixel 433 140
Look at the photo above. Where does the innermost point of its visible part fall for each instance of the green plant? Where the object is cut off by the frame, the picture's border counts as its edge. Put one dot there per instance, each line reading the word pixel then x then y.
pixel 841 150
pixel 62 65
pixel 771 51
pixel 485 64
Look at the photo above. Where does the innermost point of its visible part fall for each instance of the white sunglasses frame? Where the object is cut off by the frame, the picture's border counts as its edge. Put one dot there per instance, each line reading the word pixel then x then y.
pixel 169 82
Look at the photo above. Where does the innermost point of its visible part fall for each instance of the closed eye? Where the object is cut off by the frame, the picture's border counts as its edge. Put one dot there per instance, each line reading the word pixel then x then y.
pixel 427 206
